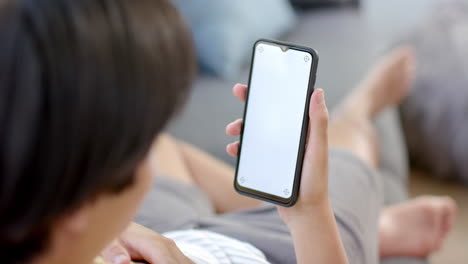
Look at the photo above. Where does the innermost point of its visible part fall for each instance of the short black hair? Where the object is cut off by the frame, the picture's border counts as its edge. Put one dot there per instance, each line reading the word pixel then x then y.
pixel 85 87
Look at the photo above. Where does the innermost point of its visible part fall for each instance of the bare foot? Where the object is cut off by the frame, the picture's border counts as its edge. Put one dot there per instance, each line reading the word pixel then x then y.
pixel 416 228
pixel 386 85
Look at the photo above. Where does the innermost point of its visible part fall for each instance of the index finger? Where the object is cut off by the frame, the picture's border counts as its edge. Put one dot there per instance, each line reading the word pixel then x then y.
pixel 240 91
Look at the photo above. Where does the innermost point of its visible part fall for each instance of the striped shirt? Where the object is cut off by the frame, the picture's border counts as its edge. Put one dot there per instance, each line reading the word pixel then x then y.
pixel 204 247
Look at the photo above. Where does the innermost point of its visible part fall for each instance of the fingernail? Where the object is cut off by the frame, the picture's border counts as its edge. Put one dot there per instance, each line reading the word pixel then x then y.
pixel 120 259
pixel 320 99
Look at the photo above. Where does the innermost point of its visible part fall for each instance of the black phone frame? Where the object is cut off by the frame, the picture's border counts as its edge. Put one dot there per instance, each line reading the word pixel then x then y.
pixel 287 202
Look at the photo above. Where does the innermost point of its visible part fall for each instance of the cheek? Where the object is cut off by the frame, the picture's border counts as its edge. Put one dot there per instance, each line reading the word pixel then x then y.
pixel 128 203
pixel 111 213
pixel 131 199
pixel 144 178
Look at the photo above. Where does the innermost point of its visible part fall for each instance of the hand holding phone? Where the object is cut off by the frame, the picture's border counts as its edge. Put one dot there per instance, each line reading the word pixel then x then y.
pixel 314 180
pixel 274 133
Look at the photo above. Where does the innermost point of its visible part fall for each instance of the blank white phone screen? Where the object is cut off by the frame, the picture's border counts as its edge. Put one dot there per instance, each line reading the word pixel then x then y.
pixel 274 118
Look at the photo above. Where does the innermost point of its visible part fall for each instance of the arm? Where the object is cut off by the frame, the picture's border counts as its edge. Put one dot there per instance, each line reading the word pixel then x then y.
pixel 316 238
pixel 311 220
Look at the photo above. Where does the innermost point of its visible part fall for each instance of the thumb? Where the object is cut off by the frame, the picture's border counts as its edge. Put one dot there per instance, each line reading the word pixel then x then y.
pixel 316 155
pixel 115 253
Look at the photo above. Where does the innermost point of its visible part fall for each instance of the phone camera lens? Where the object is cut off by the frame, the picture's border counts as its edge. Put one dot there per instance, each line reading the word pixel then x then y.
pixel 306 59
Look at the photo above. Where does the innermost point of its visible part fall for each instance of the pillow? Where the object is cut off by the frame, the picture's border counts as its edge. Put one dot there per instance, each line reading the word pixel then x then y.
pixel 435 115
pixel 225 30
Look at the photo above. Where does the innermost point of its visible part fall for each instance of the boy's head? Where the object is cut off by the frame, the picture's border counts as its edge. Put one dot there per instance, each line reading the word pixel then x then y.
pixel 85 87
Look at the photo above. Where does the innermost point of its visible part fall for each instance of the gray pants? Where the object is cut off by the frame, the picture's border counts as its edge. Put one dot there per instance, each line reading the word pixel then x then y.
pixel 357 192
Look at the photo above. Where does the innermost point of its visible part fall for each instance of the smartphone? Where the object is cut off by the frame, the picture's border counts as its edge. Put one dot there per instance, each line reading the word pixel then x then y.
pixel 273 136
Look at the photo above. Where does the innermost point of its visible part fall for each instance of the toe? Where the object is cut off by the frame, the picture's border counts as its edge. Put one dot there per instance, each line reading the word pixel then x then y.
pixel 449 214
pixel 444 214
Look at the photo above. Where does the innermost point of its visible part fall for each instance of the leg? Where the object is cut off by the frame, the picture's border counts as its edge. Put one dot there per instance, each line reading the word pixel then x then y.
pixel 174 199
pixel 357 194
pixel 351 126
pixel 216 179
pixel 170 160
pixel 187 164
pixel 394 161
pixel 425 220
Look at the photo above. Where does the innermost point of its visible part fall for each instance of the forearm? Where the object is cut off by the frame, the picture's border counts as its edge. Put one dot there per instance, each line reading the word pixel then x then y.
pixel 316 237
